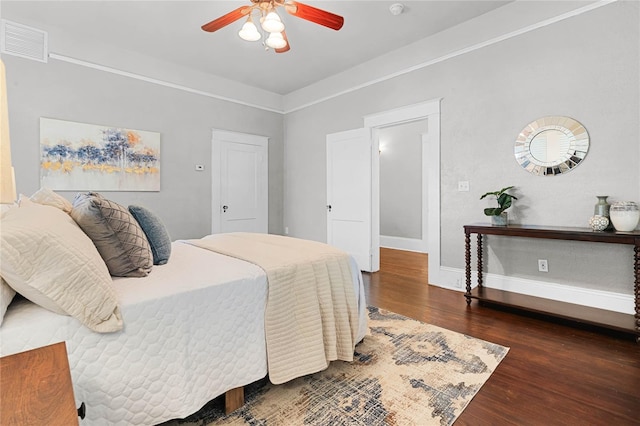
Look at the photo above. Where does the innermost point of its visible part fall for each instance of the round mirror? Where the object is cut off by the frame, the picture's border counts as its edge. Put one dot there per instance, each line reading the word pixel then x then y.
pixel 551 146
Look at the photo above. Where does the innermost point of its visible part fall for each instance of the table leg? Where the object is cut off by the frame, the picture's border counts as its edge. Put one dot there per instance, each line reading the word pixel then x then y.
pixel 467 258
pixel 636 288
pixel 479 261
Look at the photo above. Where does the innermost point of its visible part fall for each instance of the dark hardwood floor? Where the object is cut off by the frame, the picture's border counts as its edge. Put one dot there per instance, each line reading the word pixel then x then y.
pixel 554 373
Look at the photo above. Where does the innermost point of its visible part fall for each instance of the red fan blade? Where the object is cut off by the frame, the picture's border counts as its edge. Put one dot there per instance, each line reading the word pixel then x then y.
pixel 287 47
pixel 316 15
pixel 227 19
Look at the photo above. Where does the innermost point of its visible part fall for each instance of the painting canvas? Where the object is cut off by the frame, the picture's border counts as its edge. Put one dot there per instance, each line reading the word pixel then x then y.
pixel 88 157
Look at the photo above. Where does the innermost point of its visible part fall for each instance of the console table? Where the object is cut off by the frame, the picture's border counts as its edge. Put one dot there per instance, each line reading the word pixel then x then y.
pixel 612 320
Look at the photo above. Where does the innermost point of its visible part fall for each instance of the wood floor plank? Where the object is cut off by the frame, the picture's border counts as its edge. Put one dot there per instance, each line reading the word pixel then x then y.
pixel 555 373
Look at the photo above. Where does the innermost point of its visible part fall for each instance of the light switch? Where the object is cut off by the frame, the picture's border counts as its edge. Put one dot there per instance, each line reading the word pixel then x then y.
pixel 463 186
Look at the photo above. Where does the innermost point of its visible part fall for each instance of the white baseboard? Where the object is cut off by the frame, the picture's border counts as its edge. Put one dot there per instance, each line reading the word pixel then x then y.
pixel 451 278
pixel 401 243
pixel 455 279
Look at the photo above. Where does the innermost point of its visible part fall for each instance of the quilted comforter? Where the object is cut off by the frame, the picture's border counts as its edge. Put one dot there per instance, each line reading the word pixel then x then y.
pixel 193 329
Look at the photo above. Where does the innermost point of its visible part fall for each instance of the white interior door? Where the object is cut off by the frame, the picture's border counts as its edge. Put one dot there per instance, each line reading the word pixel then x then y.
pixel 349 196
pixel 240 183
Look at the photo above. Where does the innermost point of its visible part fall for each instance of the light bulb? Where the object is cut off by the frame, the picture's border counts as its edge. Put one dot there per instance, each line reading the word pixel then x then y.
pixel 249 32
pixel 272 23
pixel 276 41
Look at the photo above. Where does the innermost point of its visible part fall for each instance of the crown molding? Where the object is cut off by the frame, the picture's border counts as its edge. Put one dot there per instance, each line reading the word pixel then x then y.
pixel 292 104
pixel 305 97
pixel 159 82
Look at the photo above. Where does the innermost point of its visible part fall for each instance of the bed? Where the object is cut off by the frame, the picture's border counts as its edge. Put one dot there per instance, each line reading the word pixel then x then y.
pixel 192 329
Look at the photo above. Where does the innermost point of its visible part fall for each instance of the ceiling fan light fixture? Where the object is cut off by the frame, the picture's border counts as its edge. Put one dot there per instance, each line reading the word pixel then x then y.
pixel 276 41
pixel 249 32
pixel 272 23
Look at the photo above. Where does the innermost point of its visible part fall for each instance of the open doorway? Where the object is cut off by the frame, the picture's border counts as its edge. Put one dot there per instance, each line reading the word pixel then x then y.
pixel 404 186
pixel 429 111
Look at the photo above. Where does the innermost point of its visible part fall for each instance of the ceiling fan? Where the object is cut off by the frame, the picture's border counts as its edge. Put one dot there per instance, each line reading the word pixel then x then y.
pixel 271 23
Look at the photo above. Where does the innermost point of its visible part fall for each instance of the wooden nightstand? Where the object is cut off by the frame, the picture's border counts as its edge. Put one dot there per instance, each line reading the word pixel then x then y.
pixel 35 388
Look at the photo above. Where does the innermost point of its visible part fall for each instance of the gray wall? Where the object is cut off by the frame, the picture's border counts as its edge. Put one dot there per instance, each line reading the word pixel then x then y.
pixel 71 92
pixel 401 180
pixel 585 67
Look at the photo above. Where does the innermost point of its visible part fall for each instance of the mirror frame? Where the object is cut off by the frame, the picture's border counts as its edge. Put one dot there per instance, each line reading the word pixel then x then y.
pixel 567 161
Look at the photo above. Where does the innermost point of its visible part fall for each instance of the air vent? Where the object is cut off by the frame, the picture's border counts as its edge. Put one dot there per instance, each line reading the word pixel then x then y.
pixel 23 41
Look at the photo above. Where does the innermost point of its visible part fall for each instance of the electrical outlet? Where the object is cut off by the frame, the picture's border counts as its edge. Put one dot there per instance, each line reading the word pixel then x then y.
pixel 286 230
pixel 543 265
pixel 463 186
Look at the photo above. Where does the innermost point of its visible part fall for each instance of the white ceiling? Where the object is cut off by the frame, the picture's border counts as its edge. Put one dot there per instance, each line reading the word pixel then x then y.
pixel 170 30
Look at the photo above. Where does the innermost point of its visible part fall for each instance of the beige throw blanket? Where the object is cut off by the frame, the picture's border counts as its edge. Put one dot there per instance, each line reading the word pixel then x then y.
pixel 312 314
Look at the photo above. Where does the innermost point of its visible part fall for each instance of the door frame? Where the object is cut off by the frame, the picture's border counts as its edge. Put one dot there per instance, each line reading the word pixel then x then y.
pixel 429 110
pixel 217 137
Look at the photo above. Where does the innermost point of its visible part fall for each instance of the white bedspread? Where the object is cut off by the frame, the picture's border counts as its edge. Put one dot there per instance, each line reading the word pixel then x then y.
pixel 193 329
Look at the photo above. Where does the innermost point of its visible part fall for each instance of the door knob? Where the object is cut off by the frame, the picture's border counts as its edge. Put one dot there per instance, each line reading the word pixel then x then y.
pixel 224 209
pixel 329 207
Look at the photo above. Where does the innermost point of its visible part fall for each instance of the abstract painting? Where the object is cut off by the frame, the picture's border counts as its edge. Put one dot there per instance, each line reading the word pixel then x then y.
pixel 88 157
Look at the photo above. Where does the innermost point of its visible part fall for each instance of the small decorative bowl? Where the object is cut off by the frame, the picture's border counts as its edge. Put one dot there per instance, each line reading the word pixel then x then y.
pixel 599 223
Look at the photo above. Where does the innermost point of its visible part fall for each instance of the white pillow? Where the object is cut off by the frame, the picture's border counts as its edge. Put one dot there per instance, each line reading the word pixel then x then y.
pixel 6 207
pixel 6 296
pixel 49 260
pixel 6 292
pixel 49 198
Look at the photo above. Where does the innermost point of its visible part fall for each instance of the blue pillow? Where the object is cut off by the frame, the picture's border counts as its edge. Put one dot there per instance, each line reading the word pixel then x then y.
pixel 156 233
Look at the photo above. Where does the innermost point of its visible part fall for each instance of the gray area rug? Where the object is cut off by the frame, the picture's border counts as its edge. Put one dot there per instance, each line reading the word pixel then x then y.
pixel 405 372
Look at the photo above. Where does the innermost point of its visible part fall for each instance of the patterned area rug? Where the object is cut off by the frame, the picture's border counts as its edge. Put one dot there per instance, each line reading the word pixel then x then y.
pixel 405 372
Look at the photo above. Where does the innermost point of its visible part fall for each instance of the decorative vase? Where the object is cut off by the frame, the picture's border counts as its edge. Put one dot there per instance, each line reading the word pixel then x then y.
pixel 599 222
pixel 500 220
pixel 624 215
pixel 602 208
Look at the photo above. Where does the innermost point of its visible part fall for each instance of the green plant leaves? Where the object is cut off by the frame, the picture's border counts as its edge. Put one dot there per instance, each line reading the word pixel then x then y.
pixel 504 201
pixel 493 211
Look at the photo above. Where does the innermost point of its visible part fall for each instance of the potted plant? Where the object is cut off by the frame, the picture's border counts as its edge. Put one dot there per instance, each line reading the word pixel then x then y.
pixel 498 214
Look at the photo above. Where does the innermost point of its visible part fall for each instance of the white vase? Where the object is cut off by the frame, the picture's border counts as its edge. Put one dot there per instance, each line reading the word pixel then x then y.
pixel 624 215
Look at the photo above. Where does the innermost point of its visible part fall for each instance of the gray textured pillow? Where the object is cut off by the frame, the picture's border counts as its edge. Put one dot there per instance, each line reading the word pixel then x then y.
pixel 116 234
pixel 156 233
